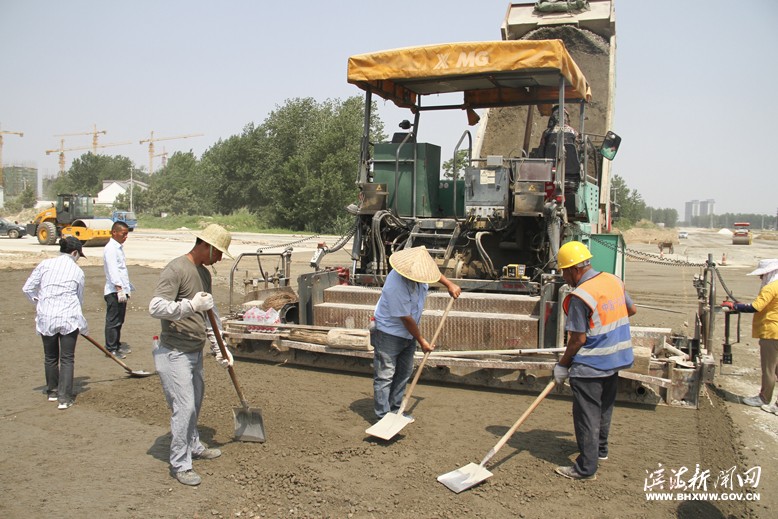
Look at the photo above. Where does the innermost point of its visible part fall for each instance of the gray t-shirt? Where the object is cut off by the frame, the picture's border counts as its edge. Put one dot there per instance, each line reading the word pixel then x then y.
pixel 182 279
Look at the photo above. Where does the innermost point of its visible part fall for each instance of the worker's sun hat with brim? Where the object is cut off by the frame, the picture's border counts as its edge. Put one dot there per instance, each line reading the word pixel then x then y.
pixel 415 264
pixel 217 236
pixel 69 244
pixel 765 267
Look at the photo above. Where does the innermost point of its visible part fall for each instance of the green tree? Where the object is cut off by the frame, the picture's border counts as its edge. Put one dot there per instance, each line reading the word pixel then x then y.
pixel 630 203
pixel 448 166
pixel 297 169
pixel 177 188
pixel 87 173
pixel 666 216
pixel 27 198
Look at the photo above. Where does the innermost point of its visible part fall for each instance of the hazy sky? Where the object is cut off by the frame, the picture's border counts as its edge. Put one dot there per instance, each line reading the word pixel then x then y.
pixel 694 102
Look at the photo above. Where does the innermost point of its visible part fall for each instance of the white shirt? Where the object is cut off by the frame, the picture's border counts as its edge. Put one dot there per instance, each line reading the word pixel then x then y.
pixel 115 268
pixel 57 288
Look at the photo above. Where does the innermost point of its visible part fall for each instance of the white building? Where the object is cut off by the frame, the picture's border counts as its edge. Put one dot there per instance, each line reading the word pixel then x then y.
pixel 113 188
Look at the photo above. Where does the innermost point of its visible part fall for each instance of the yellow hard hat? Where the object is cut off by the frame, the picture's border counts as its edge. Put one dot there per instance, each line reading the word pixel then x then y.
pixel 572 253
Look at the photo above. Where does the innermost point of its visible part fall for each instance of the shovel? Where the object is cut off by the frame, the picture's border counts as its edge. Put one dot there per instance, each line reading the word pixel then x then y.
pixel 249 426
pixel 132 373
pixel 472 474
pixel 392 423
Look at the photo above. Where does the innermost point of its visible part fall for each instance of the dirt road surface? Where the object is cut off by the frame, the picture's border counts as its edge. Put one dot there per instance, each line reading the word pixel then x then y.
pixel 107 455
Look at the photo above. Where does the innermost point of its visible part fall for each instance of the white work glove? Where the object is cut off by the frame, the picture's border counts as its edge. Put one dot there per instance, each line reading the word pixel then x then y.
pixel 202 302
pixel 225 363
pixel 217 352
pixel 121 295
pixel 561 374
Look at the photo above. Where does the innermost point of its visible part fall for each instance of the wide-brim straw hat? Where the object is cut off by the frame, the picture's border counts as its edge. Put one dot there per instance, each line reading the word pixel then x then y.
pixel 217 236
pixel 765 266
pixel 415 264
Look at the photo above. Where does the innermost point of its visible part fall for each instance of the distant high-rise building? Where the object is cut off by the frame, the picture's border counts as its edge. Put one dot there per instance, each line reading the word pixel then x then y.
pixel 706 207
pixel 691 209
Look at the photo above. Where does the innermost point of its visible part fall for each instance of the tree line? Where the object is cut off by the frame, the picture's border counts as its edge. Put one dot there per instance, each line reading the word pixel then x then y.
pixel 297 170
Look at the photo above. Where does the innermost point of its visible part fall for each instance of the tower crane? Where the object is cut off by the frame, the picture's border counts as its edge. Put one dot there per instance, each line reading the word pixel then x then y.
pixel 164 157
pixel 3 132
pixel 153 139
pixel 62 149
pixel 93 133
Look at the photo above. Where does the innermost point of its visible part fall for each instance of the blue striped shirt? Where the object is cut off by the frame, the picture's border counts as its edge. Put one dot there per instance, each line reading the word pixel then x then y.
pixel 57 287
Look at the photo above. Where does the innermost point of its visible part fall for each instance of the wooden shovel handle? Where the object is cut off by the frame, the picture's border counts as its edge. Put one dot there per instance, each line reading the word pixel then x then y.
pixel 223 349
pixel 520 421
pixel 407 396
pixel 108 353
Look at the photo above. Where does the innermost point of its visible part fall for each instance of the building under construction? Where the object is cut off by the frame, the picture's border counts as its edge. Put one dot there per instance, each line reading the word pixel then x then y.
pixel 18 178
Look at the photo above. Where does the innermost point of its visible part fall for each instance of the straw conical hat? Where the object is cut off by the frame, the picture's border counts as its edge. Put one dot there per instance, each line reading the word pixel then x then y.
pixel 217 236
pixel 415 264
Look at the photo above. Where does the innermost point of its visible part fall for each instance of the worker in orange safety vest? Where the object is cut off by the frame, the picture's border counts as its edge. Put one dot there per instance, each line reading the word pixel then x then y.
pixel 598 346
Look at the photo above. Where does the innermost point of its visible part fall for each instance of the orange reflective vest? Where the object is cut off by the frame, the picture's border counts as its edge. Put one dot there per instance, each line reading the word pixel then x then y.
pixel 608 341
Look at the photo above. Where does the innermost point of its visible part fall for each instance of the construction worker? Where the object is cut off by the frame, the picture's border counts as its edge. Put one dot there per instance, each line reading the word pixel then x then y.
pixel 56 287
pixel 765 328
pixel 180 301
pixel 117 289
pixel 397 317
pixel 598 346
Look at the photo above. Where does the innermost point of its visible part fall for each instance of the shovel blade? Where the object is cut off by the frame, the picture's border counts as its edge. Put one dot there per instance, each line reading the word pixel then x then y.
pixel 388 426
pixel 249 426
pixel 465 477
pixel 139 373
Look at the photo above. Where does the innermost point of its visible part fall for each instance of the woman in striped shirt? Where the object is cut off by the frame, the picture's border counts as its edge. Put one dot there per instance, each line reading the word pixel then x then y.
pixel 56 286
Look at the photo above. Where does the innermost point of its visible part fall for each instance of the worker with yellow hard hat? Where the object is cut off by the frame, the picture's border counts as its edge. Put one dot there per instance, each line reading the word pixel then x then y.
pixel 598 346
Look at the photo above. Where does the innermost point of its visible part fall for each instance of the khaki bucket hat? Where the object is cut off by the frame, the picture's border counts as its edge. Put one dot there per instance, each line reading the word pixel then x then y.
pixel 217 236
pixel 415 264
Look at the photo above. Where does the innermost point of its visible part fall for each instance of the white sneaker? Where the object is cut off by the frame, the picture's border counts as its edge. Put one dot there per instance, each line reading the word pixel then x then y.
pixel 65 405
pixel 53 398
pixel 754 401
pixel 772 408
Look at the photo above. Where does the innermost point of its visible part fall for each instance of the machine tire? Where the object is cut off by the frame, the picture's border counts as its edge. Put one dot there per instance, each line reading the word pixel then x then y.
pixel 47 233
pixel 13 233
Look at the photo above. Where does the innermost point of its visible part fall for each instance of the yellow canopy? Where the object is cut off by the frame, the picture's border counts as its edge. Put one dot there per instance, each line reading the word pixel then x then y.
pixel 489 73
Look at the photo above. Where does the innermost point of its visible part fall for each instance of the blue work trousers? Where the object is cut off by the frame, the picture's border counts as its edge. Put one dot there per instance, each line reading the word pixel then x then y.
pixel 392 368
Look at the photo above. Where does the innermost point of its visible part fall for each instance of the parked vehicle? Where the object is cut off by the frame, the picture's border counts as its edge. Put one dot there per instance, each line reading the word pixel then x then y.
pixel 127 217
pixel 11 229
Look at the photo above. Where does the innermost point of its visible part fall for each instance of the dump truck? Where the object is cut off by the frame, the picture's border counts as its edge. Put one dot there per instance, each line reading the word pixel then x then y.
pixel 71 215
pixel 742 234
pixel 534 175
